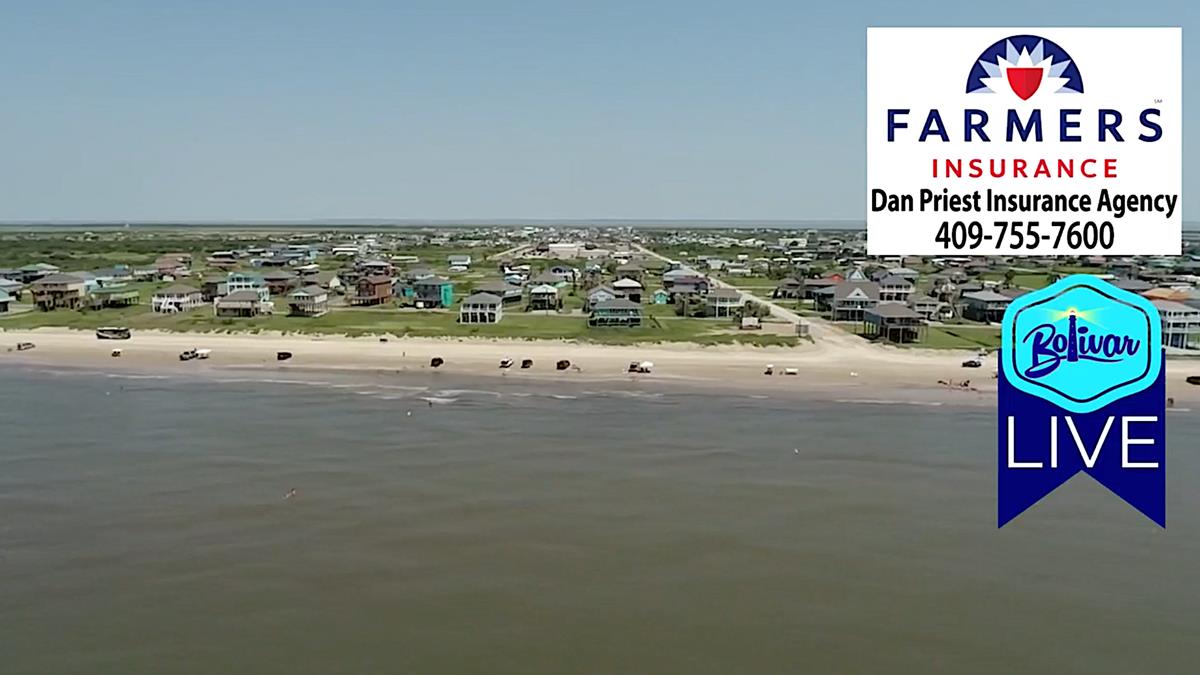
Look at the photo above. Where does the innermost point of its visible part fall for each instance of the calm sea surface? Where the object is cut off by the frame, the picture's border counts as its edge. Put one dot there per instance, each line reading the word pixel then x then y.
pixel 520 528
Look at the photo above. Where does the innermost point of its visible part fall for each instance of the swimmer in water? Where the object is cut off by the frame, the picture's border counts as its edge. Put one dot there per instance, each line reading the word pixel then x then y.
pixel 290 493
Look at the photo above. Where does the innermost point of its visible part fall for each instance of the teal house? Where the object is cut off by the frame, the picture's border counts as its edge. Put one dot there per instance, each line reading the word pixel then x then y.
pixel 661 297
pixel 434 292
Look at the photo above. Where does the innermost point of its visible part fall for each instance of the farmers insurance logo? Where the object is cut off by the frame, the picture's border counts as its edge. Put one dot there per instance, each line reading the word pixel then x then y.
pixel 1024 141
pixel 1082 389
pixel 1024 64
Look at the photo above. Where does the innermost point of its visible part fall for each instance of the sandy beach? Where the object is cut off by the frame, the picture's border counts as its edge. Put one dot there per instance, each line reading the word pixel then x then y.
pixel 834 367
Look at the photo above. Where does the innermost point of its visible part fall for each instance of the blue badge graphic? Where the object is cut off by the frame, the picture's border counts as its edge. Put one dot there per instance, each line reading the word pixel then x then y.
pixel 1082 388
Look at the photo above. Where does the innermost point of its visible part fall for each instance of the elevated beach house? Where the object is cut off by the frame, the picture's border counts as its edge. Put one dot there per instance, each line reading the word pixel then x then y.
pixel 630 289
pixel 893 322
pixel 543 297
pixel 310 301
pixel 58 290
pixel 985 305
pixel 723 302
pixel 788 289
pixel 245 281
pixel 928 308
pixel 177 298
pixel 433 292
pixel 5 299
pixel 372 290
pixel 118 295
pixel 848 300
pixel 508 293
pixel 281 282
pixel 11 286
pixel 1180 324
pixel 618 312
pixel 895 288
pixel 598 295
pixel 241 304
pixel 481 308
pixel 213 287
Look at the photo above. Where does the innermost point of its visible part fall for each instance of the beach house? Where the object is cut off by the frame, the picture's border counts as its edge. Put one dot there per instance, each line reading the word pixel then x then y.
pixel 598 295
pixel 1180 324
pixel 848 300
pixel 119 295
pixel 630 289
pixel 433 292
pixel 985 305
pixel 660 296
pixel 309 301
pixel 31 273
pixel 543 297
pixel 788 289
pixel 245 281
pixel 58 290
pixel 177 298
pixel 5 300
pixel 508 293
pixel 372 290
pixel 926 307
pixel 11 286
pixel 281 282
pixel 246 303
pixel 631 270
pixel 893 322
pixel 461 261
pixel 481 308
pixel 617 312
pixel 213 287
pixel 895 288
pixel 723 302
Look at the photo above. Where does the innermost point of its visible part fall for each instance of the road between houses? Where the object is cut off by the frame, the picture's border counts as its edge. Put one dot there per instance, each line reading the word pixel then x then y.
pixel 820 329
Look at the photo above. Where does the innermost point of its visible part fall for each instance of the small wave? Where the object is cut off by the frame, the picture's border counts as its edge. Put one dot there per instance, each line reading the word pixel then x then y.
pixel 438 400
pixel 563 397
pixel 468 392
pixel 888 401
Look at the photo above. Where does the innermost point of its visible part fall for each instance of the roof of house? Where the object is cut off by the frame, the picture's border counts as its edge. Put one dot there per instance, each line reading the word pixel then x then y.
pixel 377 279
pixel 495 286
pixel 895 280
pixel 986 296
pixel 725 294
pixel 844 289
pixel 626 283
pixel 547 277
pixel 541 289
pixel 482 299
pixel 247 295
pixel 177 289
pixel 278 275
pixel 1172 306
pixel 600 289
pixel 432 281
pixel 923 300
pixel 618 303
pixel 61 278
pixel 311 291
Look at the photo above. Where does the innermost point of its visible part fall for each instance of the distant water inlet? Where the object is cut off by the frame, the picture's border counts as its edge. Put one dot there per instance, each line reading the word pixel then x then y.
pixel 440 525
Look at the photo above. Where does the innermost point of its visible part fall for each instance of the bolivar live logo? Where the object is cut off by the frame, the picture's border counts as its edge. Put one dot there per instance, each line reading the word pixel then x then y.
pixel 1082 388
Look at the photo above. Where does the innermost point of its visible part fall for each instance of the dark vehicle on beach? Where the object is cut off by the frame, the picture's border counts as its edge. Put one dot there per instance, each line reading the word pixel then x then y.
pixel 972 363
pixel 113 334
pixel 282 356
pixel 436 362
pixel 1193 379
pixel 562 365
pixel 527 363
pixel 188 355
pixel 506 363
pixel 25 346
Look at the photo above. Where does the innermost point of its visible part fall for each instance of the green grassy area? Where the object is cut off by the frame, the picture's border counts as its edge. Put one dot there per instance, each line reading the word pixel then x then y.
pixel 389 321
pixel 947 337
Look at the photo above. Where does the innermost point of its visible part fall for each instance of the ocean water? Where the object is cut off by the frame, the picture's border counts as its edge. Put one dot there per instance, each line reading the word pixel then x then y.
pixel 445 525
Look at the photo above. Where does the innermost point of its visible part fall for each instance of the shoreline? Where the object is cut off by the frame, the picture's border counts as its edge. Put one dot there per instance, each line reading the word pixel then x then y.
pixel 827 369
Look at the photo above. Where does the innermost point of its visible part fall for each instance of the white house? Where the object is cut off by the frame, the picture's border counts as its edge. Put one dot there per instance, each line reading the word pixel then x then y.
pixel 177 298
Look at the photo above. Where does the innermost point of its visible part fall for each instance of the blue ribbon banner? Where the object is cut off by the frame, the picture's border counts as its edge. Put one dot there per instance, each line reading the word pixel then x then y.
pixel 1082 387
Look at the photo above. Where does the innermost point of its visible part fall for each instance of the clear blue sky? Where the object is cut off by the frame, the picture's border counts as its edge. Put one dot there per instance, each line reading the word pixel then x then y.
pixel 483 109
